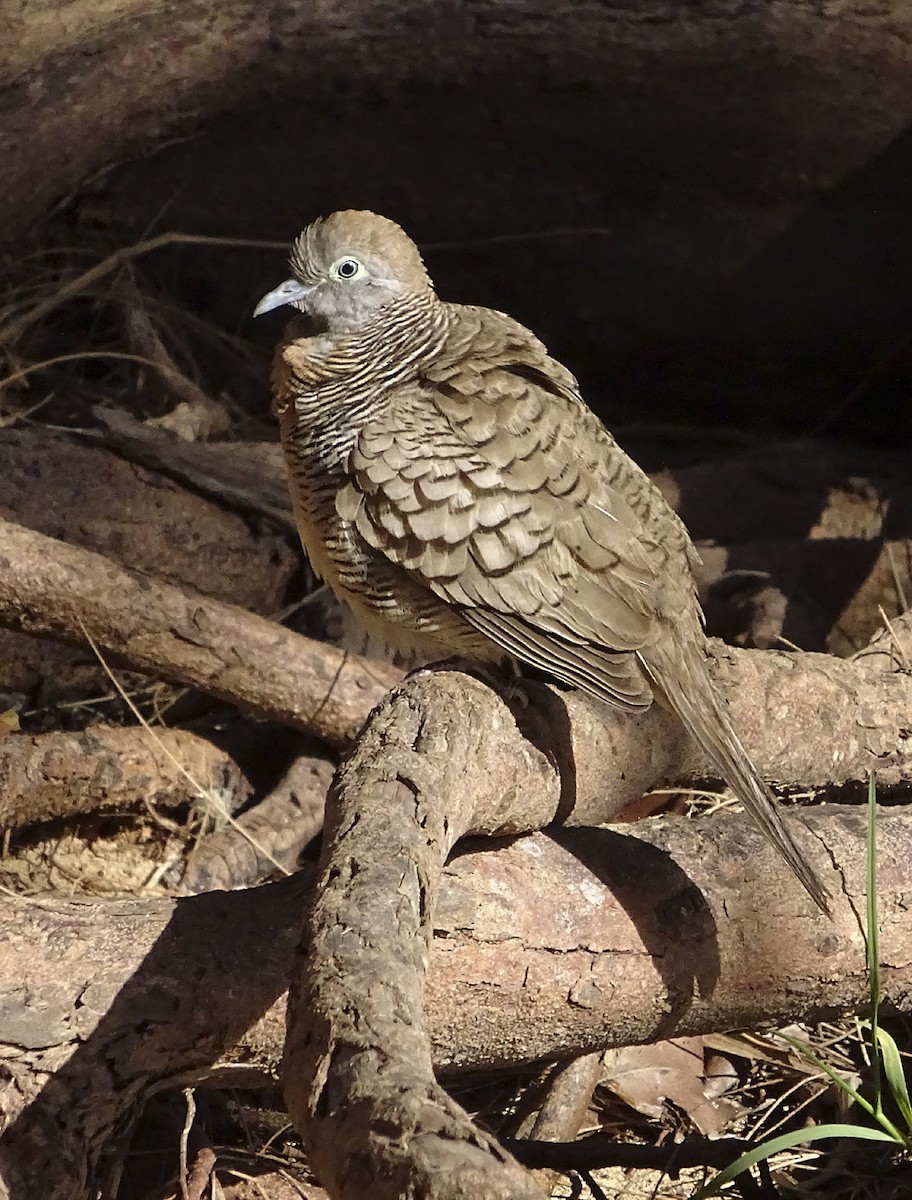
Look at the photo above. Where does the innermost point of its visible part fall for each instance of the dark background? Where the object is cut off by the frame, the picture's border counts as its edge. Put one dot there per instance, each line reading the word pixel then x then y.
pixel 662 266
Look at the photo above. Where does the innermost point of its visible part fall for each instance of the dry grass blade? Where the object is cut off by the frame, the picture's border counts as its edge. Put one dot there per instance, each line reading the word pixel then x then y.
pixel 216 805
pixel 145 341
pixel 13 330
pixel 190 1099
pixel 118 355
pixel 894 638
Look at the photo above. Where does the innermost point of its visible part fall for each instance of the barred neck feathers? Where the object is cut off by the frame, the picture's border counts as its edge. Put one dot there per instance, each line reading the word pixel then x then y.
pixel 343 368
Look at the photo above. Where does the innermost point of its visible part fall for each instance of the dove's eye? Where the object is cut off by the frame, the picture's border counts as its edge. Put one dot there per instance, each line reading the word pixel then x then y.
pixel 346 268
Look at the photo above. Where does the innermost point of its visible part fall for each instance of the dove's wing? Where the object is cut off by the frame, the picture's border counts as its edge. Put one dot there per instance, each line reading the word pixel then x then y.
pixel 490 482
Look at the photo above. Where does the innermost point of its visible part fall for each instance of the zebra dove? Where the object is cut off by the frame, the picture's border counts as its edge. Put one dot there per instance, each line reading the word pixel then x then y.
pixel 454 489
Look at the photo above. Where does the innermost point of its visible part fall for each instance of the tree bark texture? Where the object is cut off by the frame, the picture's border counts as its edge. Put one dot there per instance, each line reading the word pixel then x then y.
pixel 442 758
pixel 625 935
pixel 112 769
pixel 269 836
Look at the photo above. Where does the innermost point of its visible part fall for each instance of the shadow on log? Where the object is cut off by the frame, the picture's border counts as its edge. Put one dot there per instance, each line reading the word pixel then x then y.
pixel 629 934
pixel 441 757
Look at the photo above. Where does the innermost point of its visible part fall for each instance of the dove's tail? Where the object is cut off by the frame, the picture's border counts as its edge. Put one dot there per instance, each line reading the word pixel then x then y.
pixel 686 684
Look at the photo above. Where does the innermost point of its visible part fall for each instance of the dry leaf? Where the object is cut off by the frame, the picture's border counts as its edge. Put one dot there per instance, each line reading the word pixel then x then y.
pixel 645 1077
pixel 9 722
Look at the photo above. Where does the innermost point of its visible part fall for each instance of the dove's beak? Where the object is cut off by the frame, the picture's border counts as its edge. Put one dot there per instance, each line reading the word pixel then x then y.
pixel 289 292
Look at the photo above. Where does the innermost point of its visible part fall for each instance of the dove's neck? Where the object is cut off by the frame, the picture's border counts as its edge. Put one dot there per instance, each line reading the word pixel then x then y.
pixel 353 366
pixel 333 383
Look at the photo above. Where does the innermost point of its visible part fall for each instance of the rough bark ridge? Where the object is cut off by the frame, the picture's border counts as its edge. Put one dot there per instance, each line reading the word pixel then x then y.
pixel 279 827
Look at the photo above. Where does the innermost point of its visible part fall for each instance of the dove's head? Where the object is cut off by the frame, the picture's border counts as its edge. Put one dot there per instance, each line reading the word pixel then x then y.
pixel 348 266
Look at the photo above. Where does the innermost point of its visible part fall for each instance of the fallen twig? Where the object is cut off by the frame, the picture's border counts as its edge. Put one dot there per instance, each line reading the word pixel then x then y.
pixel 282 824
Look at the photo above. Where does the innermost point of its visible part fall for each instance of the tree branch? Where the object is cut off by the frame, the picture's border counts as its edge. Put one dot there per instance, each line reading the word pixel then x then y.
pixel 56 590
pixel 442 758
pixel 111 769
pixel 273 833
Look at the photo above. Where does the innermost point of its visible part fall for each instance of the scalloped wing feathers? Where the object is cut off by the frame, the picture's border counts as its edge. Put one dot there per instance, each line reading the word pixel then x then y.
pixel 492 484
pixel 452 486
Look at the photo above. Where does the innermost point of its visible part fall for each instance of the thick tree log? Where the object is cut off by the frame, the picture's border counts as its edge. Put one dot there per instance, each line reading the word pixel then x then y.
pixel 61 61
pixel 88 495
pixel 249 476
pixel 544 947
pixel 112 769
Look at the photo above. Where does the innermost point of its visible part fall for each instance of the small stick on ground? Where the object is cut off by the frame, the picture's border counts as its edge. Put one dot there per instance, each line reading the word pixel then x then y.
pixel 569 1095
pixel 283 824
pixel 564 1108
